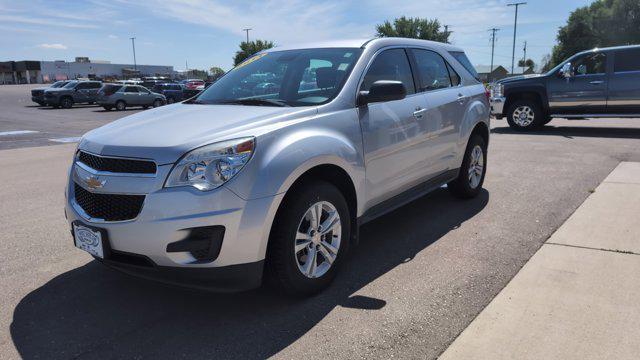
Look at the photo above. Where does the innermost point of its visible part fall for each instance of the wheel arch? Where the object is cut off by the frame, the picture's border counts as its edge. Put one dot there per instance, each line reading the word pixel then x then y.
pixel 526 93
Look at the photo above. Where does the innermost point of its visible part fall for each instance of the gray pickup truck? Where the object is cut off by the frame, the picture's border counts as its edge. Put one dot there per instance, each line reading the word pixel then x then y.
pixel 596 83
pixel 74 92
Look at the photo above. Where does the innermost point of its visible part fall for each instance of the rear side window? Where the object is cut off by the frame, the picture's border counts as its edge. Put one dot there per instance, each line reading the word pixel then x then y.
pixel 432 70
pixel 390 64
pixel 95 85
pixel 464 61
pixel 627 60
pixel 110 89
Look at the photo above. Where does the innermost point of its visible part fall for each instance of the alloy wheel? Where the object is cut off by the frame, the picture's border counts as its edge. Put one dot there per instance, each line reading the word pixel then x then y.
pixel 476 166
pixel 318 239
pixel 523 116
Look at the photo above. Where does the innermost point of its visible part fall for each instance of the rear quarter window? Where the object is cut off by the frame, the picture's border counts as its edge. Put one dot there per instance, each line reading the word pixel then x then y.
pixel 462 58
pixel 627 60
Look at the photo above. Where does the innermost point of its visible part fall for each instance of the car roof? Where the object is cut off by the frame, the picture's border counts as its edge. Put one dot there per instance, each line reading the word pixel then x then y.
pixel 611 48
pixel 365 43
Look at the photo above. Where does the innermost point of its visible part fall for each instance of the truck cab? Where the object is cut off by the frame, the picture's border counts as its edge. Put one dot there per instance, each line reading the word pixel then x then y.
pixel 595 83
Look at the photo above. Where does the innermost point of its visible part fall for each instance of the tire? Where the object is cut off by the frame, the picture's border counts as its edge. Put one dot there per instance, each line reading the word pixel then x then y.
pixel 108 107
pixel 66 102
pixel 464 186
pixel 121 105
pixel 157 103
pixel 287 268
pixel 525 115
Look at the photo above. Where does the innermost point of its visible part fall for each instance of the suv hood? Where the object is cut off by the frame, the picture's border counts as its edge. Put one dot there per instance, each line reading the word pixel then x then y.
pixel 166 133
pixel 518 78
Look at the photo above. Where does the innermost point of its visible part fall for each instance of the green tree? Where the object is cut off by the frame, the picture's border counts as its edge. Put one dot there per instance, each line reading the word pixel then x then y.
pixel 215 73
pixel 249 48
pixel 416 28
pixel 603 23
pixel 526 63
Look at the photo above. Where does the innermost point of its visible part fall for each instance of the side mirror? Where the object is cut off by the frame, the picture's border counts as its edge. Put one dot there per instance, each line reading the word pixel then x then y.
pixel 381 91
pixel 565 71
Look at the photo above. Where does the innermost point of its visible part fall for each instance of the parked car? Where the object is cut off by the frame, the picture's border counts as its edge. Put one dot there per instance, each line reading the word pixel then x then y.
pixel 74 92
pixel 173 92
pixel 596 83
pixel 216 191
pixel 37 95
pixel 122 96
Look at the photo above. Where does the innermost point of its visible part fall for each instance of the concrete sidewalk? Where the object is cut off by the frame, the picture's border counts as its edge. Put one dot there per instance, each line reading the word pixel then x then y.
pixel 578 297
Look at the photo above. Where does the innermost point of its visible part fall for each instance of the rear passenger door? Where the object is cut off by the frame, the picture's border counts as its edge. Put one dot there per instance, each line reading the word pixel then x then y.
pixel 82 92
pixel 131 95
pixel 624 83
pixel 446 104
pixel 393 131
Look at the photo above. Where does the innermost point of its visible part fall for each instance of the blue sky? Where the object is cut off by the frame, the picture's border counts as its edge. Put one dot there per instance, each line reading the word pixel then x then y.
pixel 205 33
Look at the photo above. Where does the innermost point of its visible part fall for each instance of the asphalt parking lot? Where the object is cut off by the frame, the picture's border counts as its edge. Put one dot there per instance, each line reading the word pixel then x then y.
pixel 418 278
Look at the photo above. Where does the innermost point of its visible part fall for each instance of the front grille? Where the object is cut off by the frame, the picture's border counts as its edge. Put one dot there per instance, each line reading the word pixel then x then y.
pixel 37 92
pixel 108 207
pixel 117 165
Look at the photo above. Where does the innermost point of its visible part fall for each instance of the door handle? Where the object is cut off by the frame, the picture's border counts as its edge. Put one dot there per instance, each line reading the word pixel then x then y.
pixel 419 112
pixel 461 98
pixel 596 82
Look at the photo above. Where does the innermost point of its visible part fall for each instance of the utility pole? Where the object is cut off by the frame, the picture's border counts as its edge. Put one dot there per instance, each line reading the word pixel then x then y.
pixel 515 27
pixel 524 59
pixel 493 46
pixel 133 44
pixel 247 31
pixel 446 31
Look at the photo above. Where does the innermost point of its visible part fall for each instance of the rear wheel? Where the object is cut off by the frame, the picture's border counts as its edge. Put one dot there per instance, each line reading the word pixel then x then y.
pixel 309 240
pixel 121 105
pixel 474 167
pixel 524 115
pixel 66 102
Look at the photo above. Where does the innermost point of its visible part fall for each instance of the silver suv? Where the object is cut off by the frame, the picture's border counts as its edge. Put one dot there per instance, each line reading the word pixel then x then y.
pixel 272 169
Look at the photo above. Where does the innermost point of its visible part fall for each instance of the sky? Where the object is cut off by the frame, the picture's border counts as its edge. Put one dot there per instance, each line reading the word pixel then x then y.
pixel 205 33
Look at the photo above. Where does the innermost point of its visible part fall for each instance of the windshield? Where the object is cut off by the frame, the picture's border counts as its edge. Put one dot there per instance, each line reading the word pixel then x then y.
pixel 58 84
pixel 70 85
pixel 284 78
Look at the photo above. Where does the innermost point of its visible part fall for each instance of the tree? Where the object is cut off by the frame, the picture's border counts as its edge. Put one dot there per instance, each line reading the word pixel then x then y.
pixel 215 73
pixel 416 28
pixel 249 48
pixel 603 23
pixel 526 63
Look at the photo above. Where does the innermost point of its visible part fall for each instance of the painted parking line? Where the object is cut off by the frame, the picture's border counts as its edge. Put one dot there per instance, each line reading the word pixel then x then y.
pixel 17 132
pixel 67 139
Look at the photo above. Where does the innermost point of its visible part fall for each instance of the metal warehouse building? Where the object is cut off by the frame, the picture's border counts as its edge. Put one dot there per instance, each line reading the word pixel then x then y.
pixel 30 72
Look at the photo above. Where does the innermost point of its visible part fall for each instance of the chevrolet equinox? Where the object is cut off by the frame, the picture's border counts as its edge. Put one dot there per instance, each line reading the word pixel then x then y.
pixel 271 170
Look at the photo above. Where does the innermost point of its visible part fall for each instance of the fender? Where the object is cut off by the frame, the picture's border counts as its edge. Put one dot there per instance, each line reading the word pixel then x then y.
pixel 477 112
pixel 511 89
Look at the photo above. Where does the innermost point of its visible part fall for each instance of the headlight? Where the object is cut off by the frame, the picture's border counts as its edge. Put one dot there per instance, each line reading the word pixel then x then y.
pixel 210 166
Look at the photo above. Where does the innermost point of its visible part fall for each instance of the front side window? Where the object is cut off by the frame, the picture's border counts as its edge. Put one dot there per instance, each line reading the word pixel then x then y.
pixel 432 70
pixel 627 60
pixel 391 64
pixel 131 89
pixel 590 64
pixel 71 85
pixel 301 77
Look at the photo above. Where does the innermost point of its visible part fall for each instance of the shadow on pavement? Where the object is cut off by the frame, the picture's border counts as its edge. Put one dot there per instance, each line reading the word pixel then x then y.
pixel 75 106
pixel 95 312
pixel 576 131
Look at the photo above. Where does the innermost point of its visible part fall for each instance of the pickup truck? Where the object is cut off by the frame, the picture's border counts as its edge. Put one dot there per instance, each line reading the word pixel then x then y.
pixel 595 83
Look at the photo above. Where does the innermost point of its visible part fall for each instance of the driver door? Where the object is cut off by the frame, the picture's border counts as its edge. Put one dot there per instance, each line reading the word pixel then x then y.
pixel 585 92
pixel 393 134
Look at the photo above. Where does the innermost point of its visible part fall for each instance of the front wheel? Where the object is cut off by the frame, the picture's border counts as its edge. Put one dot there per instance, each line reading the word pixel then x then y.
pixel 309 240
pixel 66 103
pixel 120 105
pixel 474 167
pixel 525 115
pixel 157 103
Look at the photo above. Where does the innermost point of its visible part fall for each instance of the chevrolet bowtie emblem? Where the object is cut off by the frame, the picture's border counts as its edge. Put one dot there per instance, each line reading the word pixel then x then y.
pixel 94 183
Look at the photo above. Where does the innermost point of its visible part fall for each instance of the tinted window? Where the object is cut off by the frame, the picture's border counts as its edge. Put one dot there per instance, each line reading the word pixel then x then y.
pixel 110 89
pixel 95 85
pixel 143 89
pixel 432 70
pixel 70 85
pixel 455 78
pixel 390 64
pixel 84 86
pixel 131 89
pixel 589 64
pixel 464 61
pixel 627 60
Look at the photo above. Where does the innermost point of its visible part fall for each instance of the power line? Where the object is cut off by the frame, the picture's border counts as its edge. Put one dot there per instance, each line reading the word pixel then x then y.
pixel 515 27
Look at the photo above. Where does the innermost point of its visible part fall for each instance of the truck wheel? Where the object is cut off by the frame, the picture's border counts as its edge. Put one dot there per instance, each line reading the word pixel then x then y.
pixel 474 167
pixel 524 115
pixel 66 102
pixel 309 239
pixel 121 105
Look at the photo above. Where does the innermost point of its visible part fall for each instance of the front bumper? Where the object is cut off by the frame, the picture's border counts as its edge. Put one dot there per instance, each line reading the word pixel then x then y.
pixel 166 216
pixel 38 99
pixel 497 106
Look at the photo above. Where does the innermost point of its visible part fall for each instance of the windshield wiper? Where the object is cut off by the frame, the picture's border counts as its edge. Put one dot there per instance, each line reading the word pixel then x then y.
pixel 259 102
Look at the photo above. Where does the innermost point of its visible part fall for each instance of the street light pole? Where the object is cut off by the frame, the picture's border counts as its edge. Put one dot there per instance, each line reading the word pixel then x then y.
pixel 133 44
pixel 247 31
pixel 515 27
